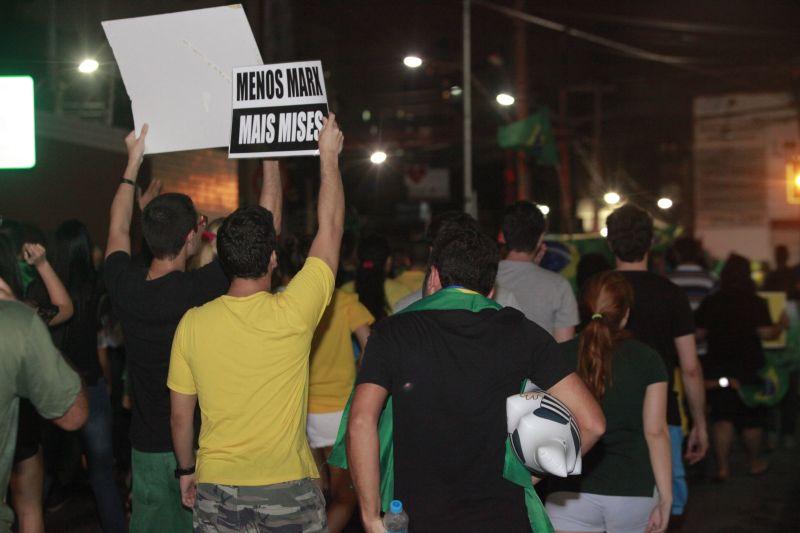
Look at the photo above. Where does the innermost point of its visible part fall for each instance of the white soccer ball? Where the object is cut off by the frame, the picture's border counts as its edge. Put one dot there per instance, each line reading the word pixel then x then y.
pixel 543 433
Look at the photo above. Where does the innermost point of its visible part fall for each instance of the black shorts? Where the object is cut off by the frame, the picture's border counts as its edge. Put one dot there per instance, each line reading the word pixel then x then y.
pixel 28 432
pixel 726 405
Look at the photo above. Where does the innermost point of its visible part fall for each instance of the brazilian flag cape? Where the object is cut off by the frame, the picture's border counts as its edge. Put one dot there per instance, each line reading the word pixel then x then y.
pixel 452 298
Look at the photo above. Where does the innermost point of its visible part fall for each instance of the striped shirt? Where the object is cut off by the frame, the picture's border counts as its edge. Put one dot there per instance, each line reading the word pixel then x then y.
pixel 697 283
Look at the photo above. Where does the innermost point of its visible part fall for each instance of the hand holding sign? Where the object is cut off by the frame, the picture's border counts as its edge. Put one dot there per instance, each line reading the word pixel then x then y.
pixel 135 145
pixel 331 138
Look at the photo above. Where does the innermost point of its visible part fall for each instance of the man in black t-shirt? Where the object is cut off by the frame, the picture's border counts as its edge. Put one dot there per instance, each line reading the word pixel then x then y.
pixel 149 302
pixel 449 369
pixel 661 317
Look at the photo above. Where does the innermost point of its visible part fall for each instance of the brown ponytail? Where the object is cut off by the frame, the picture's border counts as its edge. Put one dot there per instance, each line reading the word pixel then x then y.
pixel 608 297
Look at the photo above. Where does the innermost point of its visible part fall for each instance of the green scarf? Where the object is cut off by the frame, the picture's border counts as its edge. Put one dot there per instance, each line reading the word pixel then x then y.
pixel 513 469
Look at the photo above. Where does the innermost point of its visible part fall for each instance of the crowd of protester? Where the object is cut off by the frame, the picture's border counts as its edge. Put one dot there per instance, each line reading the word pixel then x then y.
pixel 300 364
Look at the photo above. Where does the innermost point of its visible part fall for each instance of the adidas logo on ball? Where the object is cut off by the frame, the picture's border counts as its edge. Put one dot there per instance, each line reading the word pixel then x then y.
pixel 544 435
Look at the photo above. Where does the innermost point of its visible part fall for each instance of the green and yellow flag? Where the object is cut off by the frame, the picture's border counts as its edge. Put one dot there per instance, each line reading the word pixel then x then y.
pixel 533 135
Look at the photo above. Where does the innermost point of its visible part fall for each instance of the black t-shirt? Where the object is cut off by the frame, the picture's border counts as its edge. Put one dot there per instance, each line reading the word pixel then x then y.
pixel 660 314
pixel 149 312
pixel 449 374
pixel 77 337
pixel 732 319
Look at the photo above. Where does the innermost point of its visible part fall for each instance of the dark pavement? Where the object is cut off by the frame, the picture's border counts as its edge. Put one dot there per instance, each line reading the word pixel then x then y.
pixel 744 504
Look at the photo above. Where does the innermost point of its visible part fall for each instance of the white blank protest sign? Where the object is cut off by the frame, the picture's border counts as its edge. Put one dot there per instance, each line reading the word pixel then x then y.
pixel 177 71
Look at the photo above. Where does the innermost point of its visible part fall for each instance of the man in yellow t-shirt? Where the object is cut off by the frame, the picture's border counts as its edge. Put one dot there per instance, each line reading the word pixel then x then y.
pixel 245 358
pixel 413 278
pixel 333 373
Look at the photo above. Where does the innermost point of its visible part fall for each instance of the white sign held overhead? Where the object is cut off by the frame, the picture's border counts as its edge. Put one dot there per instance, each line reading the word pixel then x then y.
pixel 277 110
pixel 177 71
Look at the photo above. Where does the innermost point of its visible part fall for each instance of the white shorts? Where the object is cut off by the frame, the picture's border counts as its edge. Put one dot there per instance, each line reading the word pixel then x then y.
pixel 322 428
pixel 581 511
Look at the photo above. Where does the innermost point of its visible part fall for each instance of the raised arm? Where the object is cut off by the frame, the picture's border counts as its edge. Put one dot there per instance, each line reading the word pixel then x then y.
pixel 119 228
pixel 35 255
pixel 330 205
pixel 272 192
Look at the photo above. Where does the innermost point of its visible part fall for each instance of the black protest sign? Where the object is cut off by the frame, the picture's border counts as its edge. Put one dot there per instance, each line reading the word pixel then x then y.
pixel 277 110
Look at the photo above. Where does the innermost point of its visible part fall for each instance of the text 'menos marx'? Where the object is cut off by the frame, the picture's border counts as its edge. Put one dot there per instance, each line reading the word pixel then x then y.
pixel 277 110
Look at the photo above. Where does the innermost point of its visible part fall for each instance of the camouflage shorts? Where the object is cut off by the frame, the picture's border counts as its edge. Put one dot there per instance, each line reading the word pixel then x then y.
pixel 291 507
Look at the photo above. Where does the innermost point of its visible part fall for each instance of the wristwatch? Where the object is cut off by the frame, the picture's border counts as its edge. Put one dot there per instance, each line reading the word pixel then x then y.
pixel 180 472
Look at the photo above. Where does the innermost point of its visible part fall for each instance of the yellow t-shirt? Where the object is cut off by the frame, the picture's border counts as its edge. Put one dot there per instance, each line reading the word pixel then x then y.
pixel 393 290
pixel 247 359
pixel 411 279
pixel 333 366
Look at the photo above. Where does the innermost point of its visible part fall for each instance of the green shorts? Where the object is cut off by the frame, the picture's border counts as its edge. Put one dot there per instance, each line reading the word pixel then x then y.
pixel 291 507
pixel 156 497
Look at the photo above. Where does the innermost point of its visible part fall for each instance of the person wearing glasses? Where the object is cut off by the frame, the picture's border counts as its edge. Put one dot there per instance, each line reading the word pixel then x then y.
pixel 149 302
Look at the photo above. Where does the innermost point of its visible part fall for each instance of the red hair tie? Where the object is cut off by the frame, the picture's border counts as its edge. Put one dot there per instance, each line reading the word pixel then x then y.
pixel 367 265
pixel 208 236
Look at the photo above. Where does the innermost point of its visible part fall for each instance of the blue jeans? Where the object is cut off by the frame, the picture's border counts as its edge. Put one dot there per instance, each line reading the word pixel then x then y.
pixel 680 491
pixel 96 438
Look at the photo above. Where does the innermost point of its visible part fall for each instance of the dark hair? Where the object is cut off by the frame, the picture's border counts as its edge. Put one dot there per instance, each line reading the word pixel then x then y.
pixel 72 261
pixel 9 265
pixel 465 257
pixel 735 275
pixel 457 218
pixel 246 241
pixel 688 250
pixel 373 251
pixel 630 233
pixel 608 296
pixel 166 222
pixel 523 226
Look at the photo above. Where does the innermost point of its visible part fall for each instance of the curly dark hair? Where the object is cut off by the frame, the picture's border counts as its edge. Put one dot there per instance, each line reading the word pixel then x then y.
pixel 630 233
pixel 523 226
pixel 465 257
pixel 166 221
pixel 246 241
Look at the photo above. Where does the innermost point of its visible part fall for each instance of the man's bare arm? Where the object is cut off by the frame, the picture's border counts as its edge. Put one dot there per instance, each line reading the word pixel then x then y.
pixel 119 228
pixel 693 385
pixel 330 206
pixel 587 412
pixel 363 451
pixel 271 197
pixel 76 415
pixel 564 334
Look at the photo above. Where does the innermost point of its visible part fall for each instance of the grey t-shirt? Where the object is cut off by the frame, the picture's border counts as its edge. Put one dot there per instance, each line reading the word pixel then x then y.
pixel 545 297
pixel 502 296
pixel 32 368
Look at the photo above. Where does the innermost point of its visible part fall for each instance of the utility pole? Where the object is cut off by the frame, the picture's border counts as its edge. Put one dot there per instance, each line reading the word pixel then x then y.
pixel 470 202
pixel 562 135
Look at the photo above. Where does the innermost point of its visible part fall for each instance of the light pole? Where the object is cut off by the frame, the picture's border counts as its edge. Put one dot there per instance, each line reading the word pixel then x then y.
pixel 470 202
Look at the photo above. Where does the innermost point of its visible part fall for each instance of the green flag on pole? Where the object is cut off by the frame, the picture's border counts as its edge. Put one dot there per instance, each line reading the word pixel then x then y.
pixel 533 135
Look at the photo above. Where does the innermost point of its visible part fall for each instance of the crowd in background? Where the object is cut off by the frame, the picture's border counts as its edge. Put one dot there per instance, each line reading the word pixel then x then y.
pixel 661 348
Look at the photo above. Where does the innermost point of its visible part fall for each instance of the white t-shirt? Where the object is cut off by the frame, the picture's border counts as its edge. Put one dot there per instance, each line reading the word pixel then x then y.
pixel 545 297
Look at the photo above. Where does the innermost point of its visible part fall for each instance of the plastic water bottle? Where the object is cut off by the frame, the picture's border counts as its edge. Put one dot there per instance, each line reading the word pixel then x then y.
pixel 396 521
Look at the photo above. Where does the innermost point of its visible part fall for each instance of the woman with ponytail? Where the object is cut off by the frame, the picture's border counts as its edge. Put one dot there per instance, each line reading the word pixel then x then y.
pixel 616 491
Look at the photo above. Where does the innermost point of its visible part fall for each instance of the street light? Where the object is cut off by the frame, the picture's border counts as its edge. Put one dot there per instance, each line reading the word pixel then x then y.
pixel 377 157
pixel 412 61
pixel 455 90
pixel 544 209
pixel 664 203
pixel 505 99
pixel 88 66
pixel 612 198
pixel 604 232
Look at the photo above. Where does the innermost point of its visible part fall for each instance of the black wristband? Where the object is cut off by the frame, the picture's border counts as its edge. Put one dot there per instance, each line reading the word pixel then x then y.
pixel 180 472
pixel 128 182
